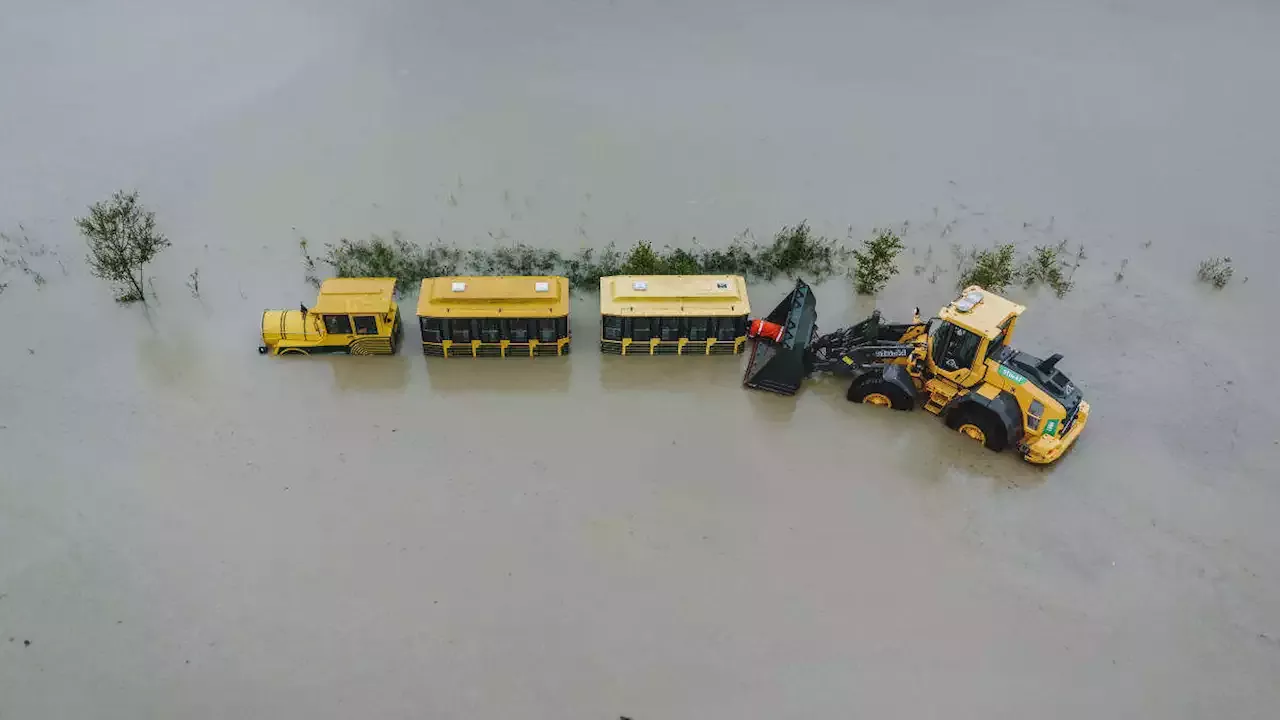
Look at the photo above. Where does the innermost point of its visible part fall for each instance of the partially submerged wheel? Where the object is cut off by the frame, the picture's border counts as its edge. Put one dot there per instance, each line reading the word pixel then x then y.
pixel 979 425
pixel 293 351
pixel 879 393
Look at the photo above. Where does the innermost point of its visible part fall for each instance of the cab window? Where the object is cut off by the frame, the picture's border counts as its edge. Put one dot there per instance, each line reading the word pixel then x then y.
pixel 490 330
pixel 518 331
pixel 460 331
pixel 698 329
pixel 641 329
pixel 430 329
pixel 669 329
pixel 365 324
pixel 999 341
pixel 612 327
pixel 725 328
pixel 959 347
pixel 337 324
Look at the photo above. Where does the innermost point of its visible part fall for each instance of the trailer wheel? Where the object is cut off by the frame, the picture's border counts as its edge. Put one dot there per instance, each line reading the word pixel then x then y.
pixel 980 425
pixel 876 391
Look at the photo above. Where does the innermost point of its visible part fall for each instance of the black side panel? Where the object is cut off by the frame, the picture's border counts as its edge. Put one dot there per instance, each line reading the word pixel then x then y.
pixel 899 376
pixel 1004 406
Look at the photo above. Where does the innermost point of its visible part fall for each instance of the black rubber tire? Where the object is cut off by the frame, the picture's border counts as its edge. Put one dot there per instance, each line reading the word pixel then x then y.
pixel 993 430
pixel 862 387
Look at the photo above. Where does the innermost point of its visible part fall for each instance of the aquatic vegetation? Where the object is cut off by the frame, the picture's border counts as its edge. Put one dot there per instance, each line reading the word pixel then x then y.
pixel 993 268
pixel 1046 266
pixel 876 262
pixel 1216 271
pixel 794 252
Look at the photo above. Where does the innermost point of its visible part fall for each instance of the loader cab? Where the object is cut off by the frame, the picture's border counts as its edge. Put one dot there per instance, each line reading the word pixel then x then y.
pixel 967 332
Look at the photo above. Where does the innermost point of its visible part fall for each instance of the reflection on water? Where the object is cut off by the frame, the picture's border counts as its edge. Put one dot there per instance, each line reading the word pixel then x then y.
pixel 368 373
pixel 508 375
pixel 672 373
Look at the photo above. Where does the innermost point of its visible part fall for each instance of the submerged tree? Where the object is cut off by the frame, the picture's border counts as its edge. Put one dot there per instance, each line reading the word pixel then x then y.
pixel 122 238
pixel 876 262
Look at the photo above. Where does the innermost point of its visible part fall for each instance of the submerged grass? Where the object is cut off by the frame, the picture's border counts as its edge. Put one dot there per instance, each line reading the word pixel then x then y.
pixel 795 251
pixel 1047 267
pixel 992 268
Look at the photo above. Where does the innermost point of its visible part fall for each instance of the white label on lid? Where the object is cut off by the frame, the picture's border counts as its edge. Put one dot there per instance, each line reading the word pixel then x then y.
pixel 639 285
pixel 459 287
pixel 541 287
pixel 722 285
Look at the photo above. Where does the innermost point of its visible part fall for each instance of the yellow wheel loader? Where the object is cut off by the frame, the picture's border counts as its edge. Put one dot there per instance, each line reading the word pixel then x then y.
pixel 959 365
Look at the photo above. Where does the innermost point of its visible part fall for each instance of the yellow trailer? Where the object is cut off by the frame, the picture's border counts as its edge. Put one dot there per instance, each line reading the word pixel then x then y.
pixel 494 316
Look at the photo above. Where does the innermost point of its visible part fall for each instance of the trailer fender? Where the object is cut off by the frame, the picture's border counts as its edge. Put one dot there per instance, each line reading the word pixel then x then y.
pixel 1004 406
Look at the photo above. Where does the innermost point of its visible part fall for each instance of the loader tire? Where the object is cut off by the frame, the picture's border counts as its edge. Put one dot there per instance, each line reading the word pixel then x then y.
pixel 981 425
pixel 878 392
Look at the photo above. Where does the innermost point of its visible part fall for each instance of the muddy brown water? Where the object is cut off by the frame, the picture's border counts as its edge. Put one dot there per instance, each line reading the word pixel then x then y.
pixel 188 529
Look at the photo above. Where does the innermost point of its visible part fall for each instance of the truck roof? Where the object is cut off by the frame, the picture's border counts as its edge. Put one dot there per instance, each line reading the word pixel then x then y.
pixel 673 295
pixel 355 295
pixel 986 311
pixel 488 296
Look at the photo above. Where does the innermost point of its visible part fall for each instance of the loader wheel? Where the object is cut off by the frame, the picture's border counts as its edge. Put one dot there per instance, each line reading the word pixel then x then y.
pixel 981 426
pixel 877 392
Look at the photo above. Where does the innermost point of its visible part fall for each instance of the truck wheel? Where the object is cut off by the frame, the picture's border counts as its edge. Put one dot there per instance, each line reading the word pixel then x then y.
pixel 979 425
pixel 878 392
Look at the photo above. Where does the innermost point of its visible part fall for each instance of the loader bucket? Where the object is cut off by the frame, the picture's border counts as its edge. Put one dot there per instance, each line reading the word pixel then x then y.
pixel 780 366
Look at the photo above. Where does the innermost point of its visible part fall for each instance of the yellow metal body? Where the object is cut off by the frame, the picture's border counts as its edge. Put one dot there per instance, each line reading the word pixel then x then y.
pixel 992 320
pixel 673 314
pixel 356 316
pixel 494 316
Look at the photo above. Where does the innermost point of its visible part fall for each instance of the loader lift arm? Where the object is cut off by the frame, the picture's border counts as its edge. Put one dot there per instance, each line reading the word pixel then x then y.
pixel 798 350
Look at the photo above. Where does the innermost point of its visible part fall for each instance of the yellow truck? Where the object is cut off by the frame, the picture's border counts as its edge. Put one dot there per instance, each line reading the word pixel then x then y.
pixel 356 316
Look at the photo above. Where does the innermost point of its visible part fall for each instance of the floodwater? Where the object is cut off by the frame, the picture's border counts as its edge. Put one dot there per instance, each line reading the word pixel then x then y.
pixel 188 529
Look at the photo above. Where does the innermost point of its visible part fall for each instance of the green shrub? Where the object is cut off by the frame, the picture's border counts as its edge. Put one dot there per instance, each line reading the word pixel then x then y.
pixel 1046 266
pixel 876 262
pixel 517 259
pixel 393 257
pixel 737 259
pixel 796 251
pixel 992 269
pixel 1216 271
pixel 681 262
pixel 584 268
pixel 642 260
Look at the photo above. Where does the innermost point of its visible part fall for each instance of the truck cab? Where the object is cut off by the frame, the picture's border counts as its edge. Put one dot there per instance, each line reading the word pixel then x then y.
pixel 354 316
